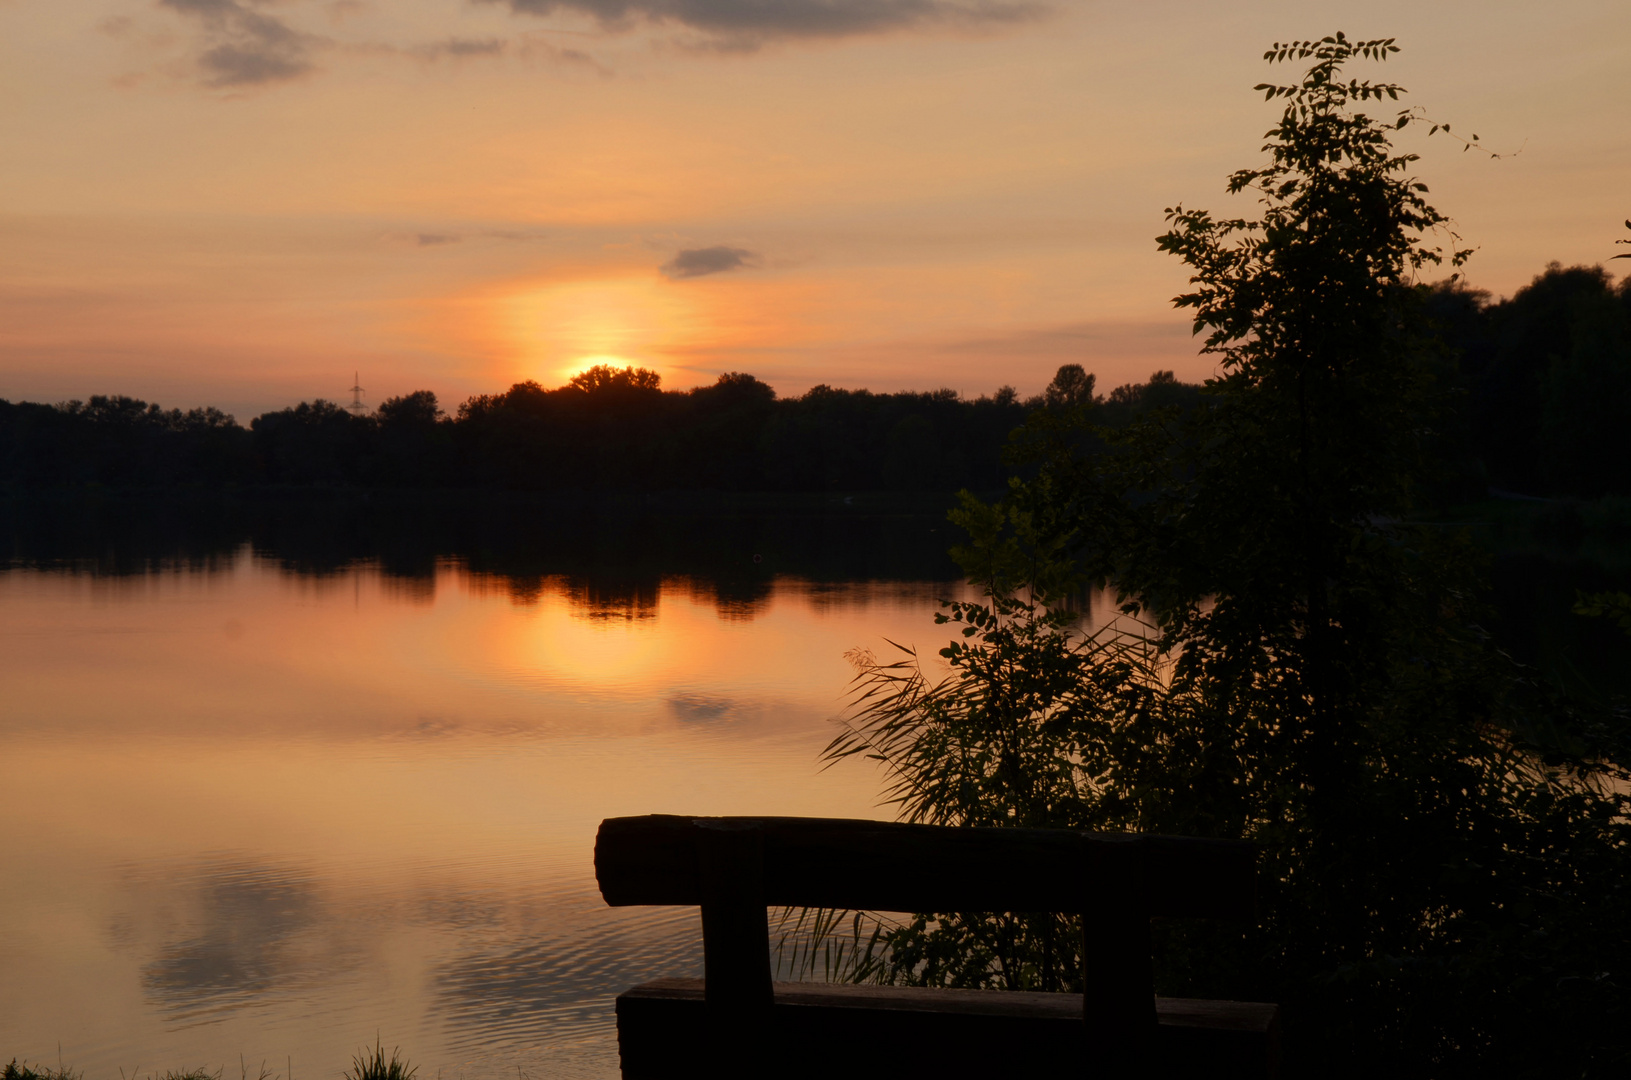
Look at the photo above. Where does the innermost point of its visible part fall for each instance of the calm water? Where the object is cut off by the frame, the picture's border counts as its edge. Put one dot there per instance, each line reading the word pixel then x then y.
pixel 269 807
pixel 282 778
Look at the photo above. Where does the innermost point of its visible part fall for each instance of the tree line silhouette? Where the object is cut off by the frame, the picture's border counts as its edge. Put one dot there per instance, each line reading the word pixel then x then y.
pixel 1545 378
pixel 606 429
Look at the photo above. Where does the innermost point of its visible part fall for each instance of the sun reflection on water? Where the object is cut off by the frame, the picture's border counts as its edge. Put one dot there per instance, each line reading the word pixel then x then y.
pixel 271 813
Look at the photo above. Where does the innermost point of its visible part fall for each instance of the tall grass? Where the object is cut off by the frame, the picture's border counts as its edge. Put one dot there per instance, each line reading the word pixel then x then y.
pixel 372 1065
pixel 25 1071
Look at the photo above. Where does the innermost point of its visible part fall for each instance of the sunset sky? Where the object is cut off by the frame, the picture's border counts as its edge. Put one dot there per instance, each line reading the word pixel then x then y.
pixel 242 202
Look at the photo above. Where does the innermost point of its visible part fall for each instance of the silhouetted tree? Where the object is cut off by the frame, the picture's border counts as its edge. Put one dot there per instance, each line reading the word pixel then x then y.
pixel 1071 386
pixel 313 443
pixel 417 410
pixel 603 378
pixel 1549 377
pixel 412 449
pixel 1445 847
pixel 718 444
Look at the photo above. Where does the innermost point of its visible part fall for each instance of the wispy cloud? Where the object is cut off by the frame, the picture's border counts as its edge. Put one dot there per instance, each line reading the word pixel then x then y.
pixel 744 24
pixel 239 46
pixel 446 236
pixel 341 10
pixel 697 262
pixel 244 47
pixel 1085 339
pixel 460 47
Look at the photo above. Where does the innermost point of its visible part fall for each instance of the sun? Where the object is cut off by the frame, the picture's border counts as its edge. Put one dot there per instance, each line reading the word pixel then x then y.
pixel 584 363
pixel 565 328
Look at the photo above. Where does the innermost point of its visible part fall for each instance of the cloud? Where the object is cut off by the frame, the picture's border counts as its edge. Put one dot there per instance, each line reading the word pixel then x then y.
pixel 743 24
pixel 240 44
pixel 341 10
pixel 536 46
pixel 244 47
pixel 697 262
pixel 1119 337
pixel 117 27
pixel 443 238
pixel 460 47
pixel 516 234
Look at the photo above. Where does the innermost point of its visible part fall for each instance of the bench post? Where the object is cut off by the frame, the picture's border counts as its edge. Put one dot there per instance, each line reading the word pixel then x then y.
pixel 1118 983
pixel 736 945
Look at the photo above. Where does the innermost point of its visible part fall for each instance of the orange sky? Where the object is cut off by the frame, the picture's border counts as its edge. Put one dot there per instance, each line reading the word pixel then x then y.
pixel 241 202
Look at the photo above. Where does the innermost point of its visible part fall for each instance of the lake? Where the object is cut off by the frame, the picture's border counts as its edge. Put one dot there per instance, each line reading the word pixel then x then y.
pixel 279 781
pixel 284 776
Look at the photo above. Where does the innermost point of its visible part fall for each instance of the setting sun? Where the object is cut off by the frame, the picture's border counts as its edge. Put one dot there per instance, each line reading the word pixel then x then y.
pixel 587 362
pixel 563 329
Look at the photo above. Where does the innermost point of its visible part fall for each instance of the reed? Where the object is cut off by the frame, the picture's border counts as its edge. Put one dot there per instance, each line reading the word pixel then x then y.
pixel 372 1065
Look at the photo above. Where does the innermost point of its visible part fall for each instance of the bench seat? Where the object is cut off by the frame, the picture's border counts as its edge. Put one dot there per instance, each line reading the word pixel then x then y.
pixel 840 1030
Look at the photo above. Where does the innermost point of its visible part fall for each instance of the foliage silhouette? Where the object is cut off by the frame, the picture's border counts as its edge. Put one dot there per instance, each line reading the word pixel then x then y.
pixel 1548 380
pixel 605 379
pixel 1446 844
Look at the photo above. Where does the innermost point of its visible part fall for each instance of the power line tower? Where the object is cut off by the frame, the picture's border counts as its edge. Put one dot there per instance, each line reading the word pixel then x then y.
pixel 356 407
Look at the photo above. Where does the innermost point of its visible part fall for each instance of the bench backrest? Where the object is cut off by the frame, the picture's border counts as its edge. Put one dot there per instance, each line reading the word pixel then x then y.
pixel 892 866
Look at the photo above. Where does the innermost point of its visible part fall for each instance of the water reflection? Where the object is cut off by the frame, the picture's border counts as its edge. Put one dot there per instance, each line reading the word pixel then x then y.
pixel 614 599
pixel 250 933
pixel 735 548
pixel 542 982
pixel 701 708
pixel 282 790
pixel 282 778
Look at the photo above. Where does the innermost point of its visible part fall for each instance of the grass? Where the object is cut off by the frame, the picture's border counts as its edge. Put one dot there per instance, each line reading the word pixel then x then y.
pixel 25 1071
pixel 202 1073
pixel 371 1065
pixel 367 1065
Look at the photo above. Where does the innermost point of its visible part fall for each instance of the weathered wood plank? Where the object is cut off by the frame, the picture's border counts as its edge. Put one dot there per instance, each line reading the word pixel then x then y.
pixel 890 866
pixel 826 1030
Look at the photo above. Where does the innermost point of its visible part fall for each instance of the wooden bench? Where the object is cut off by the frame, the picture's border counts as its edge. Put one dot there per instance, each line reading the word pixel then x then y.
pixel 737 1022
